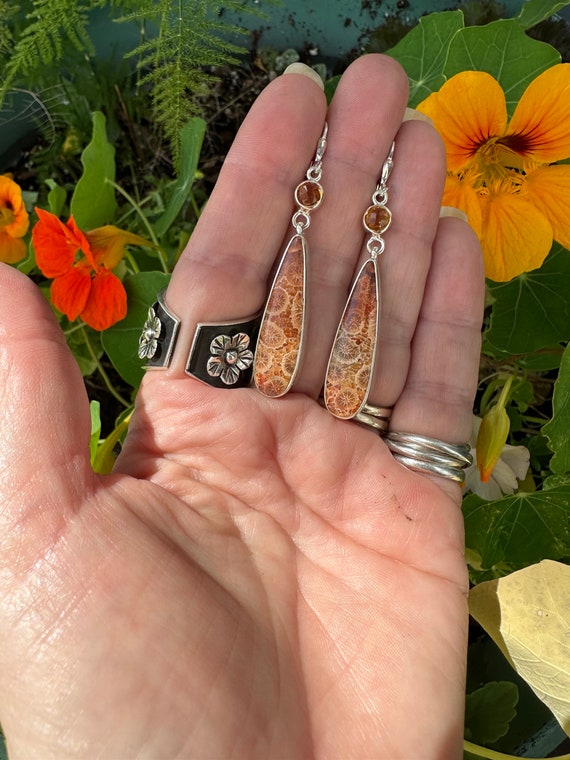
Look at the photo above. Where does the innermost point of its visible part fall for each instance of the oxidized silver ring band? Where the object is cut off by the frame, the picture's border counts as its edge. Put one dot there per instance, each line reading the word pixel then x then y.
pixel 221 354
pixel 159 334
pixel 430 455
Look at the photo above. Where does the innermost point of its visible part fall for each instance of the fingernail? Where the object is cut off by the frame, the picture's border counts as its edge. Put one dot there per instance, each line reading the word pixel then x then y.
pixel 452 211
pixel 410 114
pixel 306 71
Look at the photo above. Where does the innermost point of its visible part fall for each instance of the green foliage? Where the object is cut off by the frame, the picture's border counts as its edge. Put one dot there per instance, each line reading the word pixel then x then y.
pixel 518 530
pixel 93 203
pixel 181 42
pixel 557 429
pixel 121 341
pixel 189 40
pixel 489 711
pixel 533 310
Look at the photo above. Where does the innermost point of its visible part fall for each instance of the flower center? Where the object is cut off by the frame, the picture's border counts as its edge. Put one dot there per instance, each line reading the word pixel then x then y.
pixel 6 215
pixel 231 356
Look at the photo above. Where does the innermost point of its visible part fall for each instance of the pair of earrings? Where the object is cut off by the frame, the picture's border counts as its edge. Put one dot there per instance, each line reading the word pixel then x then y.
pixel 280 343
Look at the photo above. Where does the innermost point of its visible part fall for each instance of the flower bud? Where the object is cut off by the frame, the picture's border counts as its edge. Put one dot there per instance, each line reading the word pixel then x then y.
pixel 491 440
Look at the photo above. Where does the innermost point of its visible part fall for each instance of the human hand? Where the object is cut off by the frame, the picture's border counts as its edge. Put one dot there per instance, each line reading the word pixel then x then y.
pixel 256 579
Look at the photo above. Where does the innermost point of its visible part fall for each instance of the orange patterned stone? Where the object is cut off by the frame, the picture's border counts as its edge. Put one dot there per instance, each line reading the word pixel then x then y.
pixel 349 372
pixel 279 343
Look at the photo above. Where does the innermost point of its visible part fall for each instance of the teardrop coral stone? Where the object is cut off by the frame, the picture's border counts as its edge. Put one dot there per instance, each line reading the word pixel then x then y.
pixel 278 352
pixel 352 357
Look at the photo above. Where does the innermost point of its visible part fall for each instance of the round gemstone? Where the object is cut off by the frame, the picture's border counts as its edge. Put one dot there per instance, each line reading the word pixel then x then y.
pixel 377 219
pixel 309 194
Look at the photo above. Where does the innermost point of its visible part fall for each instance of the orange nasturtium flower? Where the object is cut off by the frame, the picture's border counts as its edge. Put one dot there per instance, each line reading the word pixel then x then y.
pixel 14 221
pixel 80 265
pixel 502 173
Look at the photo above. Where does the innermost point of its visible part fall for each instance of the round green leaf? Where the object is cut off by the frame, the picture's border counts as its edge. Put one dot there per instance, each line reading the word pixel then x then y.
pixel 122 340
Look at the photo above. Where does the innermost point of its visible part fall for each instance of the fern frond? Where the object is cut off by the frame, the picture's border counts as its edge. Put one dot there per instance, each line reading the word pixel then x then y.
pixel 8 12
pixel 49 24
pixel 192 39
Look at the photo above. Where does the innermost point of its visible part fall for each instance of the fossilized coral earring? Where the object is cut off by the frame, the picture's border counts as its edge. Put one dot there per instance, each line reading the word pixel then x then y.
pixel 283 325
pixel 351 363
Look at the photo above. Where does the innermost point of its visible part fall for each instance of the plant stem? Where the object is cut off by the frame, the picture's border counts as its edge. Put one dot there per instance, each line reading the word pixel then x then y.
pixel 491 754
pixel 106 379
pixel 149 229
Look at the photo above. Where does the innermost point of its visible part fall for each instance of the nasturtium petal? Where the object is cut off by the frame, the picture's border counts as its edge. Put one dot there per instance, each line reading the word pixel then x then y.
pixel 516 236
pixel 11 249
pixel 55 244
pixel 108 244
pixel 462 195
pixel 469 109
pixel 549 188
pixel 107 301
pixel 11 201
pixel 541 119
pixel 70 291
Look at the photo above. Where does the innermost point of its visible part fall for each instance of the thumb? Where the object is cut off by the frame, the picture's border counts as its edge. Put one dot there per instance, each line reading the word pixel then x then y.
pixel 44 421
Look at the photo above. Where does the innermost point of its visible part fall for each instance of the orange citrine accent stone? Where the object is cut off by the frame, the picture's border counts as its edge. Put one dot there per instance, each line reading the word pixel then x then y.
pixel 350 366
pixel 377 219
pixel 279 343
pixel 309 195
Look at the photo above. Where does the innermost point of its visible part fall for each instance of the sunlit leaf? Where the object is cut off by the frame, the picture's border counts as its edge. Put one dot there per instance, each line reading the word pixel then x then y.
pixel 489 711
pixel 535 11
pixel 122 340
pixel 93 203
pixel 191 137
pixel 533 310
pixel 558 428
pixel 527 614
pixel 95 409
pixel 503 50
pixel 56 197
pixel 422 52
pixel 518 530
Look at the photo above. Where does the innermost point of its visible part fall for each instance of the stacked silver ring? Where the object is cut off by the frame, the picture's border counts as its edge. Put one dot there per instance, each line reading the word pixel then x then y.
pixel 430 455
pixel 375 417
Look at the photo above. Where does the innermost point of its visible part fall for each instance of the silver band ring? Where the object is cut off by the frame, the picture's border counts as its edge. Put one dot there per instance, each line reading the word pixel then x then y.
pixel 430 455
pixel 375 417
pixel 221 354
pixel 159 335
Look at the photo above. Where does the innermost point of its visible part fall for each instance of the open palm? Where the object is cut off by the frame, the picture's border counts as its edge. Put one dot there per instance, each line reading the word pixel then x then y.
pixel 256 579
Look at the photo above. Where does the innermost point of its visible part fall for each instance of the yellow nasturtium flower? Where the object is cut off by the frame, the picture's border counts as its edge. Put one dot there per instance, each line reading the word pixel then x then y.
pixel 14 221
pixel 502 173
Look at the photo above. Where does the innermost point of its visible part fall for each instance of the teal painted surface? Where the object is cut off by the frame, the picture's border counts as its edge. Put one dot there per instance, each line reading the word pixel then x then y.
pixel 333 28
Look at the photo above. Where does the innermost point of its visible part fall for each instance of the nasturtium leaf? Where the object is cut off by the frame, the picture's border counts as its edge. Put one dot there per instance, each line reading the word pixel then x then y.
pixel 56 197
pixel 422 52
pixel 533 310
pixel 93 203
pixel 535 11
pixel 558 428
pixel 489 711
pixel 191 137
pixel 121 341
pixel 503 50
pixel 516 531
pixel 527 614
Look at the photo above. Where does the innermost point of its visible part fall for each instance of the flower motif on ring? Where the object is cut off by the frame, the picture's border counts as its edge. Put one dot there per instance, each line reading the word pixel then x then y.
pixel 229 357
pixel 148 342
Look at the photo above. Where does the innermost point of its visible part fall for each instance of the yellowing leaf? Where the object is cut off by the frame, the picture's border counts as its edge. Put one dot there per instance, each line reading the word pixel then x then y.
pixel 527 614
